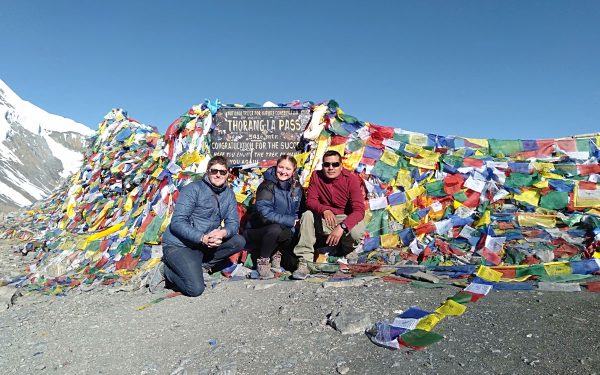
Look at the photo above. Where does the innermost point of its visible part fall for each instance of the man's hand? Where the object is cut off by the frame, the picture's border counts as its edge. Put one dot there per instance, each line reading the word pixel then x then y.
pixel 329 218
pixel 334 237
pixel 214 238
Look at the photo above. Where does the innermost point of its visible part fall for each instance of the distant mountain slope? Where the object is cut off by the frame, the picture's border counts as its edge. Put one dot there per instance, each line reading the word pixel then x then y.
pixel 37 149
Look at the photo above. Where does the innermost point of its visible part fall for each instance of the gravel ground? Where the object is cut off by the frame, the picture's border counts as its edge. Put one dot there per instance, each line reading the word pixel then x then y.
pixel 264 327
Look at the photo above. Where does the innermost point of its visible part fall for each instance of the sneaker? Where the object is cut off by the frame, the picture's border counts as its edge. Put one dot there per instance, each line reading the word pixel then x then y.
pixel 276 261
pixel 302 272
pixel 156 278
pixel 264 268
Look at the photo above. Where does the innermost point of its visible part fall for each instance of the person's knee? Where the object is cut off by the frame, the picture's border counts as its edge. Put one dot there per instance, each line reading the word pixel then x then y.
pixel 273 230
pixel 194 289
pixel 237 242
pixel 307 217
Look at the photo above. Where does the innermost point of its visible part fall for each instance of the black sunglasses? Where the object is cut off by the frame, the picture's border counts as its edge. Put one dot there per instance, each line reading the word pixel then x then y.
pixel 214 171
pixel 327 164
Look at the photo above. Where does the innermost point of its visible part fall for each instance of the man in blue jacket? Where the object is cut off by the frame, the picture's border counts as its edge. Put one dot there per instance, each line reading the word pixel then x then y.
pixel 203 232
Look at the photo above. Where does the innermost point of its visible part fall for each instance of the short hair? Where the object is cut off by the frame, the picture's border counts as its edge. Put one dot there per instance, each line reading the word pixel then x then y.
pixel 218 159
pixel 332 153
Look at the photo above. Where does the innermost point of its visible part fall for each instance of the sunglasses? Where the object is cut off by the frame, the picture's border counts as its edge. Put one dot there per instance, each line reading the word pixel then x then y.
pixel 327 164
pixel 214 171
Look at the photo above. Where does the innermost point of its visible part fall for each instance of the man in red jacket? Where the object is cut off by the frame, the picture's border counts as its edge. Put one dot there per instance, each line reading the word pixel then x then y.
pixel 335 197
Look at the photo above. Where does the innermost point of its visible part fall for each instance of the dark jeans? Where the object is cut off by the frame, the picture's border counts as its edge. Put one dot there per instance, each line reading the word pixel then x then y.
pixel 183 266
pixel 266 239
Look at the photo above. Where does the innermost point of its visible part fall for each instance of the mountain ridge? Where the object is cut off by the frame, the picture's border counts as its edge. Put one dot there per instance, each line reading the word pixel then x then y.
pixel 37 150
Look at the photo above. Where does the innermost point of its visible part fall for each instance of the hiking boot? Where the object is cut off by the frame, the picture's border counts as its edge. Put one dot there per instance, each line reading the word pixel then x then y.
pixel 302 272
pixel 264 268
pixel 276 261
pixel 352 257
pixel 156 278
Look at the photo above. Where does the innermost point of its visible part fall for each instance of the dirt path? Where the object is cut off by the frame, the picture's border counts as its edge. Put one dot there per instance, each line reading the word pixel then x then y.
pixel 253 327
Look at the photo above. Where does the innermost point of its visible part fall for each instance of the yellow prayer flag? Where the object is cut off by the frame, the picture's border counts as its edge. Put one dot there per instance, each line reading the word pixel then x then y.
pixel 240 197
pixel 531 197
pixel 535 220
pixel 412 149
pixel 418 139
pixel 157 172
pixel 558 268
pixel 552 176
pixel 301 158
pixel 542 166
pixel 389 241
pixel 339 148
pixel 586 198
pixel 105 232
pixel 489 274
pixel 429 322
pixel 481 142
pixel 390 158
pixel 411 194
pixel 426 163
pixel 398 211
pixel 451 308
pixel 404 179
pixel 351 161
pixel 123 232
pixel 541 184
pixel 485 219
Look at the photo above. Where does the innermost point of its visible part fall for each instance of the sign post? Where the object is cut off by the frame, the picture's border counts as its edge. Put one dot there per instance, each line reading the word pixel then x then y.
pixel 251 135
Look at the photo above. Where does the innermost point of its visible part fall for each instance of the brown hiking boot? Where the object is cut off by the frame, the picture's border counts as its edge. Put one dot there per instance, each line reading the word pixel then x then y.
pixel 302 272
pixel 276 261
pixel 264 268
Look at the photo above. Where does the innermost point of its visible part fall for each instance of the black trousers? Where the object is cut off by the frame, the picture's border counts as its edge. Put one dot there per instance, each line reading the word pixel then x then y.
pixel 268 238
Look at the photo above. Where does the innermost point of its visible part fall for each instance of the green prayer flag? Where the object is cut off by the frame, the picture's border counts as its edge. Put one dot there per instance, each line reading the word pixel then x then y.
pixel 384 172
pixel 534 270
pixel 461 297
pixel 460 196
pixel 435 189
pixel 518 180
pixel 505 147
pixel 418 338
pixel 378 223
pixel 555 200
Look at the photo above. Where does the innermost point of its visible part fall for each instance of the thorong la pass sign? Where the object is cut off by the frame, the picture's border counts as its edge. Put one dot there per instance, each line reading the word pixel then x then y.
pixel 250 135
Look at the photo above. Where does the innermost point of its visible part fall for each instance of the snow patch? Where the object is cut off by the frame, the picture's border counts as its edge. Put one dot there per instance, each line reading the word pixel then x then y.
pixel 70 160
pixel 13 196
pixel 19 180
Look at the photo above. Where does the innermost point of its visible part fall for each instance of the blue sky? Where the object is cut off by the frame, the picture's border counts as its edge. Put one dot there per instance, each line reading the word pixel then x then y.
pixel 489 69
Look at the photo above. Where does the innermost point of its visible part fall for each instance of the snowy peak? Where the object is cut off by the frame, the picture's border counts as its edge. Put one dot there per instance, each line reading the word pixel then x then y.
pixel 37 149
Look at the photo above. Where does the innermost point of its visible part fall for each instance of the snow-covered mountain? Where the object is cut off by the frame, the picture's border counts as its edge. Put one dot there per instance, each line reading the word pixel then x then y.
pixel 37 150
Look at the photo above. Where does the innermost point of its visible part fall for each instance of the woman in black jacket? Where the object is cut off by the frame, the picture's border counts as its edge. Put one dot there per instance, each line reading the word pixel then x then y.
pixel 272 225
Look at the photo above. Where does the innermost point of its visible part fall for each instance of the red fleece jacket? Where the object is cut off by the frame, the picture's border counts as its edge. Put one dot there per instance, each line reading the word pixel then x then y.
pixel 342 195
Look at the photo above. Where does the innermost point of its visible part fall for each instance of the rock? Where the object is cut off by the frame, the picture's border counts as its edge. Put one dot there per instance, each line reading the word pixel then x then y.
pixel 8 295
pixel 559 287
pixel 342 284
pixel 422 276
pixel 341 368
pixel 349 322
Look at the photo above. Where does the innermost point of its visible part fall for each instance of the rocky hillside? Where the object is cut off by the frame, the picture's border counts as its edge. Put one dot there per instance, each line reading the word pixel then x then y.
pixel 37 150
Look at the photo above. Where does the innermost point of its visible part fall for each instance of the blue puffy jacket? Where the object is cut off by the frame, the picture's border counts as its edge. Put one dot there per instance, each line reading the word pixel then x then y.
pixel 200 208
pixel 275 202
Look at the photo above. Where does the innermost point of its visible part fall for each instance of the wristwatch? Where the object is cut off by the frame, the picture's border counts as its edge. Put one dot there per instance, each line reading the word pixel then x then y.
pixel 344 227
